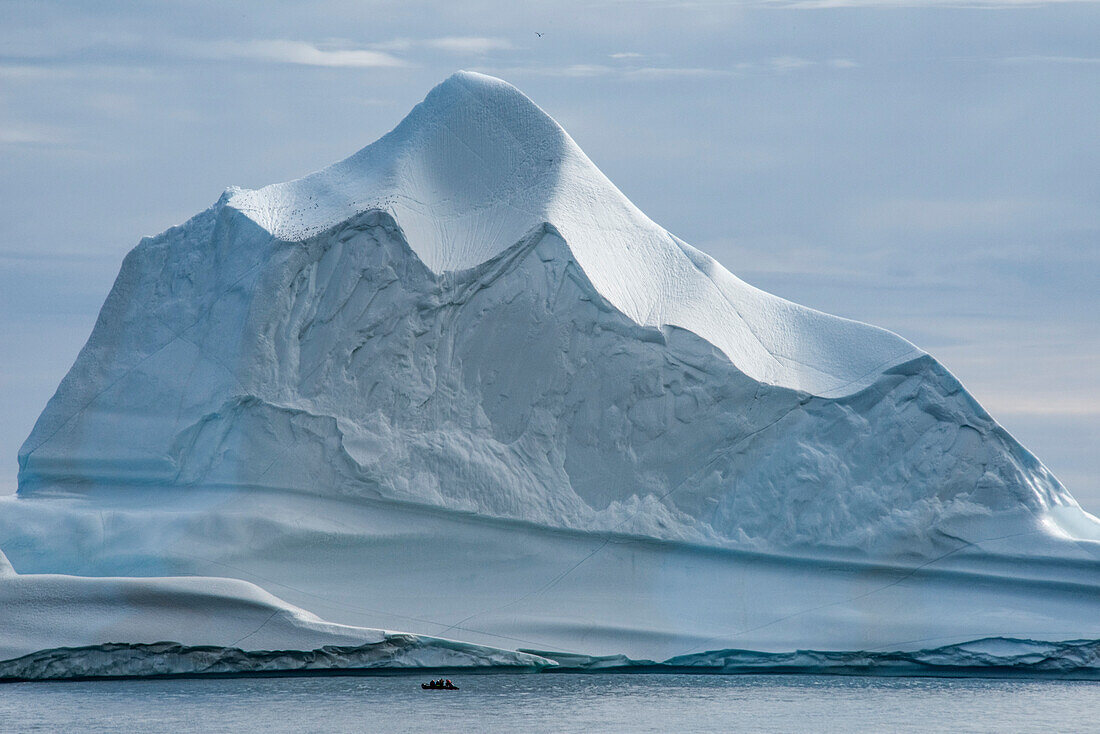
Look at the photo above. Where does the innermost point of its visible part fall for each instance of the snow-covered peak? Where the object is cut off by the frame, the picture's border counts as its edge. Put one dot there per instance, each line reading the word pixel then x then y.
pixel 467 173
pixel 477 165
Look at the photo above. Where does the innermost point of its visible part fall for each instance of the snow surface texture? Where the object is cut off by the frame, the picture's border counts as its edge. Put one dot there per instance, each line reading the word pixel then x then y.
pixel 467 326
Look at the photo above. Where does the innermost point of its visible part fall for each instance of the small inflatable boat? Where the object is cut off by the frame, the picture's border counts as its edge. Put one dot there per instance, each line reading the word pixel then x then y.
pixel 427 687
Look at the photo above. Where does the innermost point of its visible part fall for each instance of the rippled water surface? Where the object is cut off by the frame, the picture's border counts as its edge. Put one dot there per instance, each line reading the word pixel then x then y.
pixel 558 703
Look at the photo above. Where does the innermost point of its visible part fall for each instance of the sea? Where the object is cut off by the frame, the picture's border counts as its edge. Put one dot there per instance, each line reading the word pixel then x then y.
pixel 585 703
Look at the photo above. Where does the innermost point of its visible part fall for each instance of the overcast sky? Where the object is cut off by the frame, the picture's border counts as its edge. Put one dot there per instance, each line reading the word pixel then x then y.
pixel 930 167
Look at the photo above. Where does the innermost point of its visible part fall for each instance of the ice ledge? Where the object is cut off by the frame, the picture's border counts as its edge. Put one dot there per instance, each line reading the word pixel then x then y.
pixel 985 657
pixel 171 659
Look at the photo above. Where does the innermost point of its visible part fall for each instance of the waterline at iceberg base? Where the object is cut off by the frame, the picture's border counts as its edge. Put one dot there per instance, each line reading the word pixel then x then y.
pixel 989 658
pixel 459 386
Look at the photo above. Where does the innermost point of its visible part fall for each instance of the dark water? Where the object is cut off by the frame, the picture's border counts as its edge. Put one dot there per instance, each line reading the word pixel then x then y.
pixel 555 703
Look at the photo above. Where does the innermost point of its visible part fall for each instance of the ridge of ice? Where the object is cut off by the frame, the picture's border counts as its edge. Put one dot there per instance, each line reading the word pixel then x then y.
pixel 477 165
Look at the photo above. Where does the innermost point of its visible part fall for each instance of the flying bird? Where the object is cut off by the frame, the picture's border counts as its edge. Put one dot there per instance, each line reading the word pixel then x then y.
pixel 538 34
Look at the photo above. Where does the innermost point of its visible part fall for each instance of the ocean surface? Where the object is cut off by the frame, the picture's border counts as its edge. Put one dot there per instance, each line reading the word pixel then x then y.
pixel 554 703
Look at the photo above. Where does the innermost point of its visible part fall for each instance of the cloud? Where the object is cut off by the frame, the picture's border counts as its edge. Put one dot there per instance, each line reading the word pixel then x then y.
pixel 50 70
pixel 54 257
pixel 626 55
pixel 1042 404
pixel 672 72
pixel 27 136
pixel 273 50
pixel 1052 60
pixel 938 215
pixel 295 52
pixel 775 65
pixel 468 44
pixel 601 70
pixel 789 63
pixel 32 72
pixel 573 70
pixel 479 45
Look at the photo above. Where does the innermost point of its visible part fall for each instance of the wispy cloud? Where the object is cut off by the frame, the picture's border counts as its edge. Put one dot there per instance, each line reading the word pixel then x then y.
pixel 31 72
pixel 468 44
pixel 336 53
pixel 936 215
pixel 477 45
pixel 294 52
pixel 57 256
pixel 602 70
pixel 36 70
pixel 626 55
pixel 571 70
pixel 1051 404
pixel 28 136
pixel 1052 60
pixel 672 72
pixel 789 63
pixel 645 71
pixel 784 64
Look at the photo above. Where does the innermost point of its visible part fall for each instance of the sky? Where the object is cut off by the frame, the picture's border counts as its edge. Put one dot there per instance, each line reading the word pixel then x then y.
pixel 929 167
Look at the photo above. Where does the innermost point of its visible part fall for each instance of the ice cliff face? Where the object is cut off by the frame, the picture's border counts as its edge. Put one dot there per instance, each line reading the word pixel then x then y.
pixel 468 314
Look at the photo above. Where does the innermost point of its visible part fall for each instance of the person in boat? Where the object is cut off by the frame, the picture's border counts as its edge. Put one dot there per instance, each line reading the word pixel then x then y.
pixel 441 683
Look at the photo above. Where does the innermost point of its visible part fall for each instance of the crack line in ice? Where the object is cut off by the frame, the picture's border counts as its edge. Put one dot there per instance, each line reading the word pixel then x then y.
pixel 250 634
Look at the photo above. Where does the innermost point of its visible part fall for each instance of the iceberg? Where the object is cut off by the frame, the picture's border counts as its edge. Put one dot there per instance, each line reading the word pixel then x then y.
pixel 459 385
